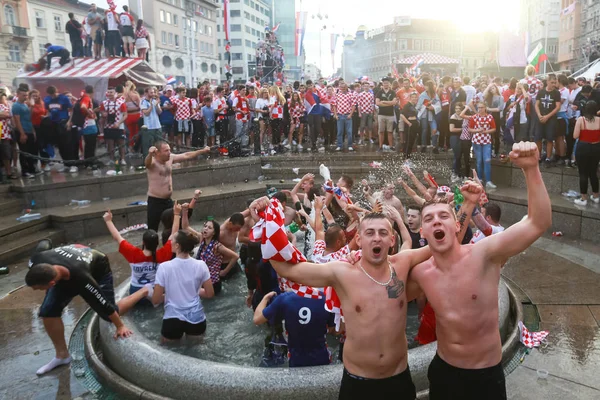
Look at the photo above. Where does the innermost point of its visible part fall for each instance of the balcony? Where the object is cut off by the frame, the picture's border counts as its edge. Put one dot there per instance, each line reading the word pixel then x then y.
pixel 17 32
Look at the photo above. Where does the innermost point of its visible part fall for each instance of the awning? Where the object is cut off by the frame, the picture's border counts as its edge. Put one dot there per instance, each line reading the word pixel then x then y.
pixel 428 59
pixel 88 68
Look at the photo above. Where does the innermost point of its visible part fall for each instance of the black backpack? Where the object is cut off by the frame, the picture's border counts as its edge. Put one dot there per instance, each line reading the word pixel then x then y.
pixel 77 118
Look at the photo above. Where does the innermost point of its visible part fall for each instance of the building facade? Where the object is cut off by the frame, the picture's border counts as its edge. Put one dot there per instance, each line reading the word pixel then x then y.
pixel 311 71
pixel 543 25
pixel 248 19
pixel 284 14
pixel 569 56
pixel 16 40
pixel 372 52
pixel 588 42
pixel 184 39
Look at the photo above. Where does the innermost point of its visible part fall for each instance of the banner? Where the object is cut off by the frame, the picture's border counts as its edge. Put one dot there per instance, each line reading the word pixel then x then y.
pixel 334 37
pixel 301 19
pixel 226 22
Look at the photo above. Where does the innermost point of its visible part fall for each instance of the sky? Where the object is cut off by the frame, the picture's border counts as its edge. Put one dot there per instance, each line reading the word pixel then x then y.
pixel 344 16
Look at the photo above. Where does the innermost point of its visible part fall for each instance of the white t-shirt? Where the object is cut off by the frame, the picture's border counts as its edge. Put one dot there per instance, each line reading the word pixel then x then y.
pixel 261 104
pixel 477 236
pixel 572 96
pixel 564 99
pixel 111 21
pixel 182 279
pixel 523 106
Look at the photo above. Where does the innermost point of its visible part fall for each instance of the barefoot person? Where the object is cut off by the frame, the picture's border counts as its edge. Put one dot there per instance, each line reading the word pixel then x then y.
pixel 69 271
pixel 461 284
pixel 374 300
pixel 159 165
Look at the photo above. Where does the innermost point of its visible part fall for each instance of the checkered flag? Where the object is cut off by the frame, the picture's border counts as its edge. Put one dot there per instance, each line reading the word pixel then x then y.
pixel 531 339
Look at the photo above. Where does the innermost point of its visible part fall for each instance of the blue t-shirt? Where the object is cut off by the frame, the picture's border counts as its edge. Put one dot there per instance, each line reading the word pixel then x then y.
pixel 58 107
pixel 151 121
pixel 24 113
pixel 54 49
pixel 306 322
pixel 166 116
pixel 209 116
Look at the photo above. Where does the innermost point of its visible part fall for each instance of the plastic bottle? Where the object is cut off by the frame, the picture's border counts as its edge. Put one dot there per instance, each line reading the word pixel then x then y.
pixel 117 167
pixel 293 227
pixel 80 203
pixel 29 217
pixel 4 270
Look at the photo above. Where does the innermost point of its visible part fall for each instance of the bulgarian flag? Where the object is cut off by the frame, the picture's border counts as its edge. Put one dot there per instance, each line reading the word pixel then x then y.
pixel 537 57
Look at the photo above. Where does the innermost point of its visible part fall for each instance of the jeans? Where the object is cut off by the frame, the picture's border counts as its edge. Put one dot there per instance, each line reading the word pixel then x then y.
pixel 344 123
pixel 241 132
pixel 432 125
pixel 483 156
pixel 465 153
pixel 455 145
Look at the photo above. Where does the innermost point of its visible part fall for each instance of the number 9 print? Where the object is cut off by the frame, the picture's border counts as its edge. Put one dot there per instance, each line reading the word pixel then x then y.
pixel 304 314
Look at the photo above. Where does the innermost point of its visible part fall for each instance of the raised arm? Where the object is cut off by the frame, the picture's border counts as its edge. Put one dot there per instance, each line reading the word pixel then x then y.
pixel 471 192
pixel 499 247
pixel 319 205
pixel 317 275
pixel 420 187
pixel 396 217
pixel 411 193
pixel 114 232
pixel 149 158
pixel 190 155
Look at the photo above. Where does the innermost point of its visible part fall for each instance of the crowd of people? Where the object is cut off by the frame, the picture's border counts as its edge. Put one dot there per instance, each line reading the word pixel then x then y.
pixel 365 256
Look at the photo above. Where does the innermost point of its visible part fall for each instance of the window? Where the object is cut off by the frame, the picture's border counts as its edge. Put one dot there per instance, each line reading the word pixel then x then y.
pixel 14 52
pixel 236 56
pixel 170 39
pixel 9 16
pixel 236 28
pixel 177 41
pixel 211 48
pixel 189 24
pixel 39 19
pixel 237 70
pixel 42 49
pixel 204 67
pixel 185 42
pixel 248 30
pixel 184 23
pixel 248 43
pixel 208 30
pixel 402 44
pixel 167 61
pixel 219 42
pixel 57 23
pixel 236 42
pixel 195 44
pixel 235 13
pixel 426 45
pixel 162 15
pixel 179 63
pixel 163 36
pixel 195 26
pixel 437 45
pixel 175 19
pixel 417 44
pixel 213 68
pixel 253 18
pixel 169 19
pixel 475 63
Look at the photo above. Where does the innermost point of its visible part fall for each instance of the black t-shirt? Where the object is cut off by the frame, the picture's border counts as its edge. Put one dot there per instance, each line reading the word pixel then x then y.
pixel 409 110
pixel 548 101
pixel 386 96
pixel 73 29
pixel 456 123
pixel 86 267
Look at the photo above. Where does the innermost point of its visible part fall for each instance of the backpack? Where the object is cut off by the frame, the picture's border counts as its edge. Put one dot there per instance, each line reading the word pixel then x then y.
pixel 77 118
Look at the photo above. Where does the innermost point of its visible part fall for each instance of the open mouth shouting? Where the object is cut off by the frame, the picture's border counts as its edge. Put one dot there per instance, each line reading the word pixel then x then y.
pixel 439 235
pixel 377 251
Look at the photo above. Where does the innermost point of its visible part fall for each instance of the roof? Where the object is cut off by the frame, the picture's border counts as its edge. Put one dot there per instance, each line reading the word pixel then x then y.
pixel 88 68
pixel 428 59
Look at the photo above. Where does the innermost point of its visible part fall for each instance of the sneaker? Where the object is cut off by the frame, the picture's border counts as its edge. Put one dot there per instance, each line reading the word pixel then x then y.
pixel 300 148
pixel 350 148
pixel 39 171
pixel 360 142
pixel 596 200
pixel 548 162
pixel 321 149
pixel 490 185
pixel 123 162
pixel 28 175
pixel 392 148
pixel 285 142
pixel 47 168
pixel 73 169
pixel 287 146
pixel 294 142
pixel 338 148
pixel 581 202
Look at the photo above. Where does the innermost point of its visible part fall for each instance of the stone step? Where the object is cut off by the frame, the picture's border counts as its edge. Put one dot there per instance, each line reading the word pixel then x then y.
pixel 11 229
pixel 22 246
pixel 10 205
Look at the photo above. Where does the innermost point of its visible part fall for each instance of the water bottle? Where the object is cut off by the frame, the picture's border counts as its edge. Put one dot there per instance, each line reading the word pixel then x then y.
pixel 117 167
pixel 29 217
pixel 4 270
pixel 80 203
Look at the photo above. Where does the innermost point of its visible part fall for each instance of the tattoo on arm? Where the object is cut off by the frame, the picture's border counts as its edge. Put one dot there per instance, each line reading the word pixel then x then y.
pixel 462 217
pixel 396 287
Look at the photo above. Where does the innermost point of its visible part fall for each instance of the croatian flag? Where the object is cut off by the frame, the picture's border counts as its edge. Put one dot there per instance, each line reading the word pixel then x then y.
pixel 315 102
pixel 171 80
pixel 275 28
pixel 226 22
pixel 417 64
pixel 301 18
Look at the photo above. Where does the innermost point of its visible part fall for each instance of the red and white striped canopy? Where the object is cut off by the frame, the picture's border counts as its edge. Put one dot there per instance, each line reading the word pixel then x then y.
pixel 428 58
pixel 88 68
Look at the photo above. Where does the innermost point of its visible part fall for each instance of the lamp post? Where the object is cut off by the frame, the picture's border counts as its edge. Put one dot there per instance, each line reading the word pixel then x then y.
pixel 323 18
pixel 390 38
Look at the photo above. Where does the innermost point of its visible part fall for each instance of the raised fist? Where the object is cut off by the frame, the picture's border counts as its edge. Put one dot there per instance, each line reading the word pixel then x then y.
pixel 525 155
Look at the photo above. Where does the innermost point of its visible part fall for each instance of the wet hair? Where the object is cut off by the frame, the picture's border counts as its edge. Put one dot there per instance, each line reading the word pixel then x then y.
pixel 332 234
pixel 237 219
pixel 373 216
pixel 440 198
pixel 590 110
pixel 493 211
pixel 217 230
pixel 281 197
pixel 160 143
pixel 40 274
pixel 415 207
pixel 150 243
pixel 349 181
pixel 186 241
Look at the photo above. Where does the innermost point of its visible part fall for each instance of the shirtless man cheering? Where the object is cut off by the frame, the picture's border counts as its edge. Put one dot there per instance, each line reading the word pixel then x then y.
pixel 461 284
pixel 159 165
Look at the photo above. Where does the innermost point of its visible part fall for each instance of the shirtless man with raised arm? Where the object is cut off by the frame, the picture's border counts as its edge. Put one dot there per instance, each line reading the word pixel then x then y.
pixel 159 165
pixel 461 283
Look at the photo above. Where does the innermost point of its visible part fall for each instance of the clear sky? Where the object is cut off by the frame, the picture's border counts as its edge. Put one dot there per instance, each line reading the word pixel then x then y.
pixel 344 16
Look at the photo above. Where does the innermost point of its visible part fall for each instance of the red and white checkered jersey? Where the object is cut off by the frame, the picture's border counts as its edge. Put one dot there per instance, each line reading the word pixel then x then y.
pixel 115 107
pixel 240 104
pixel 486 122
pixel 276 108
pixel 366 102
pixel 183 108
pixel 331 100
pixel 297 111
pixel 219 104
pixel 345 101
pixel 534 84
pixel 320 257
pixel 6 123
pixel 531 339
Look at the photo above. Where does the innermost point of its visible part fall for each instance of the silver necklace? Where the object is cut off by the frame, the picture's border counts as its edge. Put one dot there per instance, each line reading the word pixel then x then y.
pixel 375 280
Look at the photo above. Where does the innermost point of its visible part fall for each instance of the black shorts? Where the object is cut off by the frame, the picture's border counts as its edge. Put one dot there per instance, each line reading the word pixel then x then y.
pixel 231 273
pixel 98 39
pixel 452 383
pixel 5 150
pixel 114 134
pixel 167 129
pixel 398 387
pixel 60 295
pixel 546 131
pixel 173 328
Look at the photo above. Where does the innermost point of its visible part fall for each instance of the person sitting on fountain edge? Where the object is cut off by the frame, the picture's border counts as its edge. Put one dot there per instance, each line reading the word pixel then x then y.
pixel 469 349
pixel 68 271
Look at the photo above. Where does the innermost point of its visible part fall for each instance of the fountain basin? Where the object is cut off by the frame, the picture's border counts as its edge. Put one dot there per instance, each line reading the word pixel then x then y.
pixel 142 368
